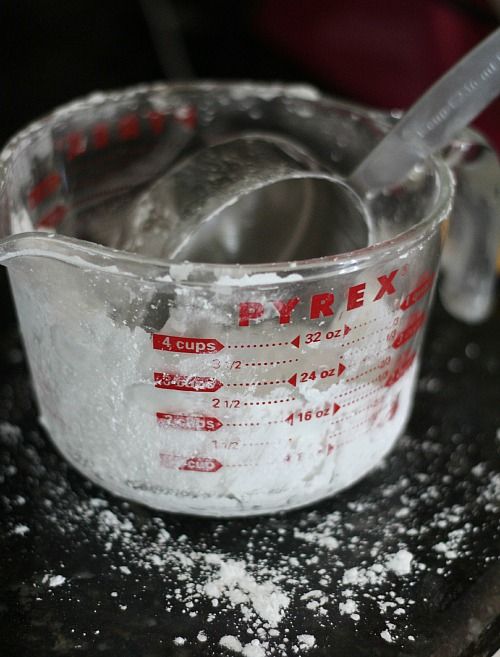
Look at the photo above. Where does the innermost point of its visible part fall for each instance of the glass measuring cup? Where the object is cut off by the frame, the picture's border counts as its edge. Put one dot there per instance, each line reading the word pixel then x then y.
pixel 204 388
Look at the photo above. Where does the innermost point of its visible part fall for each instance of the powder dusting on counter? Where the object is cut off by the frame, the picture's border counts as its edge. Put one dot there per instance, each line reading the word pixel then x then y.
pixel 54 580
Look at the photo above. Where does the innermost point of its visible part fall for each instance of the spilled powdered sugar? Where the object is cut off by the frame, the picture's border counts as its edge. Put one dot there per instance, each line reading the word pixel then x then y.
pixel 54 580
pixel 240 588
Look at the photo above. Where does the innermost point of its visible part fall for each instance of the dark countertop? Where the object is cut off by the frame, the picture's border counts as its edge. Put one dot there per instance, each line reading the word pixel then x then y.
pixel 134 578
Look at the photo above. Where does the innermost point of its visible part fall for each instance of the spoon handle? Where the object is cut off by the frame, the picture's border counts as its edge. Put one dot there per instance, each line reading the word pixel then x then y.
pixel 442 112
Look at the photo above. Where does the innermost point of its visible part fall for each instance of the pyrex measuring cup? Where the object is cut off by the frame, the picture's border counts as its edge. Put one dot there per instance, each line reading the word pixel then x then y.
pixel 204 388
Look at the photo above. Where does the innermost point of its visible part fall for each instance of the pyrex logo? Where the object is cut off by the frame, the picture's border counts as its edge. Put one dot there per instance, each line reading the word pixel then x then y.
pixel 322 304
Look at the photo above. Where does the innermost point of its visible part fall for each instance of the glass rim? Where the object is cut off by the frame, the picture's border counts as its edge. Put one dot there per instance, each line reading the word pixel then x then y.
pixel 95 256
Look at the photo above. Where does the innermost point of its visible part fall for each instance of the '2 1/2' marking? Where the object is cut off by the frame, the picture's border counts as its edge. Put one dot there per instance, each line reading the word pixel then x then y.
pixel 225 403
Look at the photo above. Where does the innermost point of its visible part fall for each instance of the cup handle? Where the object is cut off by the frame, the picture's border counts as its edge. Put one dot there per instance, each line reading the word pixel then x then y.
pixel 470 251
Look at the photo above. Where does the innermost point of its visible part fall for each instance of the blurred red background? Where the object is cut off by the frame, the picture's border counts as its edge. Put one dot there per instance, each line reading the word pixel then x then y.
pixel 382 53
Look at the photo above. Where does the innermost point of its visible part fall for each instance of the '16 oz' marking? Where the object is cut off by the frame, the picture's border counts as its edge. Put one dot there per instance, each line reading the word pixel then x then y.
pixel 306 416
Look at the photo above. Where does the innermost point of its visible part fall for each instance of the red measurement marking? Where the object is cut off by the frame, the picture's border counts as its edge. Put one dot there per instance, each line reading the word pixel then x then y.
pixel 358 399
pixel 422 288
pixel 186 345
pixel 53 218
pixel 360 387
pixel 257 346
pixel 370 321
pixel 296 342
pixel 129 127
pixel 402 365
pixel 364 337
pixel 393 408
pixel 172 381
pixel 157 121
pixel 250 384
pixel 364 373
pixel 189 422
pixel 303 377
pixel 75 144
pixel 264 444
pixel 352 427
pixel 43 189
pixel 187 116
pixel 307 416
pixel 267 403
pixel 271 362
pixel 318 336
pixel 201 464
pixel 415 322
pixel 100 135
pixel 357 413
pixel 244 424
pixel 194 463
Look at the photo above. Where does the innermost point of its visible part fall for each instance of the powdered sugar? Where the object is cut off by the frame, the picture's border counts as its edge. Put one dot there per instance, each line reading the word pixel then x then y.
pixel 386 635
pixel 306 641
pixel 257 279
pixel 400 562
pixel 53 580
pixel 293 424
pixel 231 642
pixel 240 588
pixel 348 607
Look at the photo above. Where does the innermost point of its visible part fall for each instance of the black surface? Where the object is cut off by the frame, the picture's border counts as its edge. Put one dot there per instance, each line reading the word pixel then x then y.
pixel 52 53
